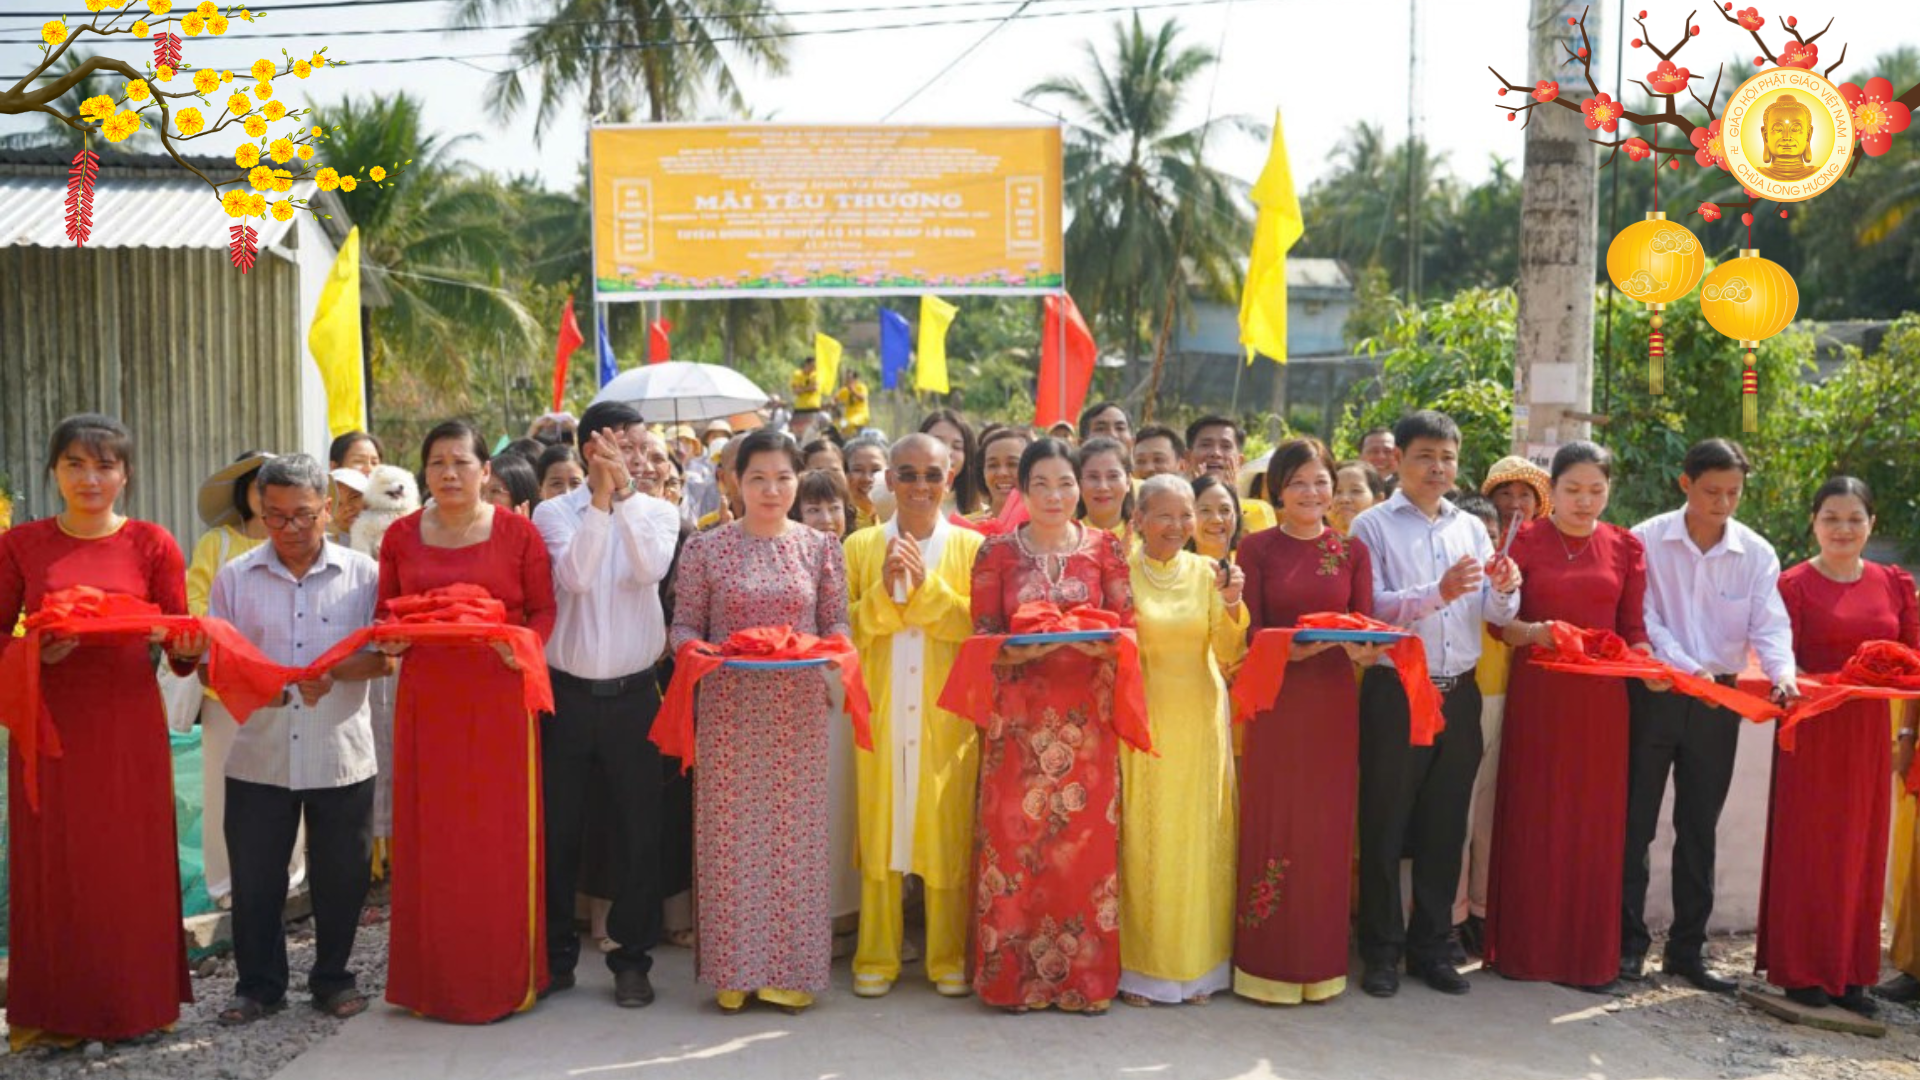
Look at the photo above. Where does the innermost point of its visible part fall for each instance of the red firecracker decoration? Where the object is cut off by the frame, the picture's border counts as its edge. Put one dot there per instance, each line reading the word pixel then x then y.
pixel 244 247
pixel 166 51
pixel 80 178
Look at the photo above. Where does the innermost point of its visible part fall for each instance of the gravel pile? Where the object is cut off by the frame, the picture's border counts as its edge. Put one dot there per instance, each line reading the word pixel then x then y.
pixel 1728 1038
pixel 198 1047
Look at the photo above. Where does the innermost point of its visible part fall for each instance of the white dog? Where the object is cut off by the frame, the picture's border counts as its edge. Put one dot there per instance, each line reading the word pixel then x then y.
pixel 391 495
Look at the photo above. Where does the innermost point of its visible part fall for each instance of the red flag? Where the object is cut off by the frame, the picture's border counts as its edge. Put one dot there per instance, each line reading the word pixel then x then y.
pixel 1075 371
pixel 570 339
pixel 659 345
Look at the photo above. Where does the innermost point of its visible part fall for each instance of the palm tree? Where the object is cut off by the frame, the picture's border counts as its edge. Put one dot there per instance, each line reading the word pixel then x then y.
pixel 627 56
pixel 57 133
pixel 439 242
pixel 1144 205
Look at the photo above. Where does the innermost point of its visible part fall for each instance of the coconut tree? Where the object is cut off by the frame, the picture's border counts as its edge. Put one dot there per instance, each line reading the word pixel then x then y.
pixel 54 132
pixel 657 58
pixel 438 238
pixel 1144 205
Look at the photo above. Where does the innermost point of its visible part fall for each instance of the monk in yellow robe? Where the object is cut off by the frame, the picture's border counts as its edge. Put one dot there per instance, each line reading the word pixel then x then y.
pixel 910 590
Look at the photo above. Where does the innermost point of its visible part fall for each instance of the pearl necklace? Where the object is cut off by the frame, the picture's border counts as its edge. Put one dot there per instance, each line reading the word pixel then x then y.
pixel 1153 574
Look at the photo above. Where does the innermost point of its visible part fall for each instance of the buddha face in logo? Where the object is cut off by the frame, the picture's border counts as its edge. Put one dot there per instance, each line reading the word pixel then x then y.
pixel 1787 126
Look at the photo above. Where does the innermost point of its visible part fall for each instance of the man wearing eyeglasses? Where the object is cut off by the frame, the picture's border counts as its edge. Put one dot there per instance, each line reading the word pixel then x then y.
pixel 910 584
pixel 310 756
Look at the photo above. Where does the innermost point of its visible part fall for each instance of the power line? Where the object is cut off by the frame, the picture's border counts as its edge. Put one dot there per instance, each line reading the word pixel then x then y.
pixel 729 16
pixel 464 58
pixel 955 62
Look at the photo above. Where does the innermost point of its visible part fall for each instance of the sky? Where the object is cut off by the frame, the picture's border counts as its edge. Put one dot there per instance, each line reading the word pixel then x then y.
pixel 1325 67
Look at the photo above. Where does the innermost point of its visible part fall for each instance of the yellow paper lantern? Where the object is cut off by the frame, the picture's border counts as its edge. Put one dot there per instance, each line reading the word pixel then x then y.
pixel 1656 262
pixel 1749 299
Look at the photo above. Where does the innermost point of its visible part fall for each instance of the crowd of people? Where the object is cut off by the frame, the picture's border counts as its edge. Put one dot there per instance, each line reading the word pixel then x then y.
pixel 994 669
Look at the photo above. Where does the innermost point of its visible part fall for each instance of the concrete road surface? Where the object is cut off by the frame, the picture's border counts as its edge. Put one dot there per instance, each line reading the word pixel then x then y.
pixel 1503 1030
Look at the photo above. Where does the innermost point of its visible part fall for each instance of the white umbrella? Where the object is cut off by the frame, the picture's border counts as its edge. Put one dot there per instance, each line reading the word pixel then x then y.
pixel 676 390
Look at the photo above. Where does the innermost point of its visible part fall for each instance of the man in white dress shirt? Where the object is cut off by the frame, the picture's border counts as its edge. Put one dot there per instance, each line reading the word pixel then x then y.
pixel 612 542
pixel 310 756
pixel 1434 573
pixel 1712 591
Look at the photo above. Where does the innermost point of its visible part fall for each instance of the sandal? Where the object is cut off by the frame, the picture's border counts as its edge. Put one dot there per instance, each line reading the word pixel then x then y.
pixel 680 939
pixel 1200 999
pixel 1138 1001
pixel 245 1010
pixel 341 1004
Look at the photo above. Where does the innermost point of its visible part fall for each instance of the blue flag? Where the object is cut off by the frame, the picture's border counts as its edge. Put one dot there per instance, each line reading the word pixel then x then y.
pixel 608 368
pixel 896 348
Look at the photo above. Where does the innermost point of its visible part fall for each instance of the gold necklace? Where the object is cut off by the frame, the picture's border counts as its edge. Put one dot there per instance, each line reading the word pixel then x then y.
pixel 1572 554
pixel 440 516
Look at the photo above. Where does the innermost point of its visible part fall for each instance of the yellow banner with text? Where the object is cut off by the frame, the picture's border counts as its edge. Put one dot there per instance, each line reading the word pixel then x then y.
pixel 712 211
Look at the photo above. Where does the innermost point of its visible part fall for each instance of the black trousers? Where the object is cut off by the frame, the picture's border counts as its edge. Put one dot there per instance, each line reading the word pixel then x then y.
pixel 1413 800
pixel 1696 743
pixel 262 822
pixel 589 734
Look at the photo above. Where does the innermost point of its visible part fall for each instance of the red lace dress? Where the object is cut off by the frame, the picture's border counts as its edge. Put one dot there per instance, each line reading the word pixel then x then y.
pixel 1047 898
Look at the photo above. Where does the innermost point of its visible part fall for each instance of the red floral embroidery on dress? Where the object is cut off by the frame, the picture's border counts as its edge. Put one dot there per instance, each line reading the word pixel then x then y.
pixel 1334 553
pixel 1264 897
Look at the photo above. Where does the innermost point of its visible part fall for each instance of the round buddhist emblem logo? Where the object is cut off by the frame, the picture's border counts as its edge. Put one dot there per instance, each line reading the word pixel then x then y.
pixel 1788 135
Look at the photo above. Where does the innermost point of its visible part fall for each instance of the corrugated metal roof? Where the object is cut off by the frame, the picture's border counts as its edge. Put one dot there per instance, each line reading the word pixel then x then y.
pixel 1316 274
pixel 128 212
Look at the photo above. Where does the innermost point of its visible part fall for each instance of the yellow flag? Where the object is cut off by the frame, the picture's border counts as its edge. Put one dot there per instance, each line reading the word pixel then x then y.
pixel 826 364
pixel 334 340
pixel 931 372
pixel 1263 303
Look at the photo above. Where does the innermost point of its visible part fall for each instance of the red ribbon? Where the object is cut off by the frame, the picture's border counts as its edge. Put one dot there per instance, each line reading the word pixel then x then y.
pixel 235 667
pixel 969 689
pixel 673 727
pixel 1579 651
pixel 245 679
pixel 1877 671
pixel 1265 670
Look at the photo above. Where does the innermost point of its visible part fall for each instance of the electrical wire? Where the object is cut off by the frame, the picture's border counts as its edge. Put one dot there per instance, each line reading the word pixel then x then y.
pixel 955 62
pixel 465 58
pixel 726 16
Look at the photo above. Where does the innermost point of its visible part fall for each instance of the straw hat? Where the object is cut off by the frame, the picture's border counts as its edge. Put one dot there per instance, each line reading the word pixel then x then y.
pixel 216 491
pixel 1518 470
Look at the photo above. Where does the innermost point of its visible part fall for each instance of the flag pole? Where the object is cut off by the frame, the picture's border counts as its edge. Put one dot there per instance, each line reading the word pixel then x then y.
pixel 1060 317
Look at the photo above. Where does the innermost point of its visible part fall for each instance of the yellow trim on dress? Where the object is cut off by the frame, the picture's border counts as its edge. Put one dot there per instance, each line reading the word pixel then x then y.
pixel 1274 992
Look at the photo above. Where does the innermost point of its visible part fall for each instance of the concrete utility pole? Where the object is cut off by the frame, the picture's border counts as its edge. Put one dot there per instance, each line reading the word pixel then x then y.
pixel 1559 207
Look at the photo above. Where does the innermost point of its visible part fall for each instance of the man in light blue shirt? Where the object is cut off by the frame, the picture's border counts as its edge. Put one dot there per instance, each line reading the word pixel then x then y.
pixel 1435 573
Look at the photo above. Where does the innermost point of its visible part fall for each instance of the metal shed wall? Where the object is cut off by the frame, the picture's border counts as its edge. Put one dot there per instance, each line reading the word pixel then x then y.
pixel 200 361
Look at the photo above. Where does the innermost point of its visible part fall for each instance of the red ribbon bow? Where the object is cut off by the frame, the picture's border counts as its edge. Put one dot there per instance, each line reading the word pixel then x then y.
pixel 1877 670
pixel 1265 670
pixel 969 689
pixel 673 727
